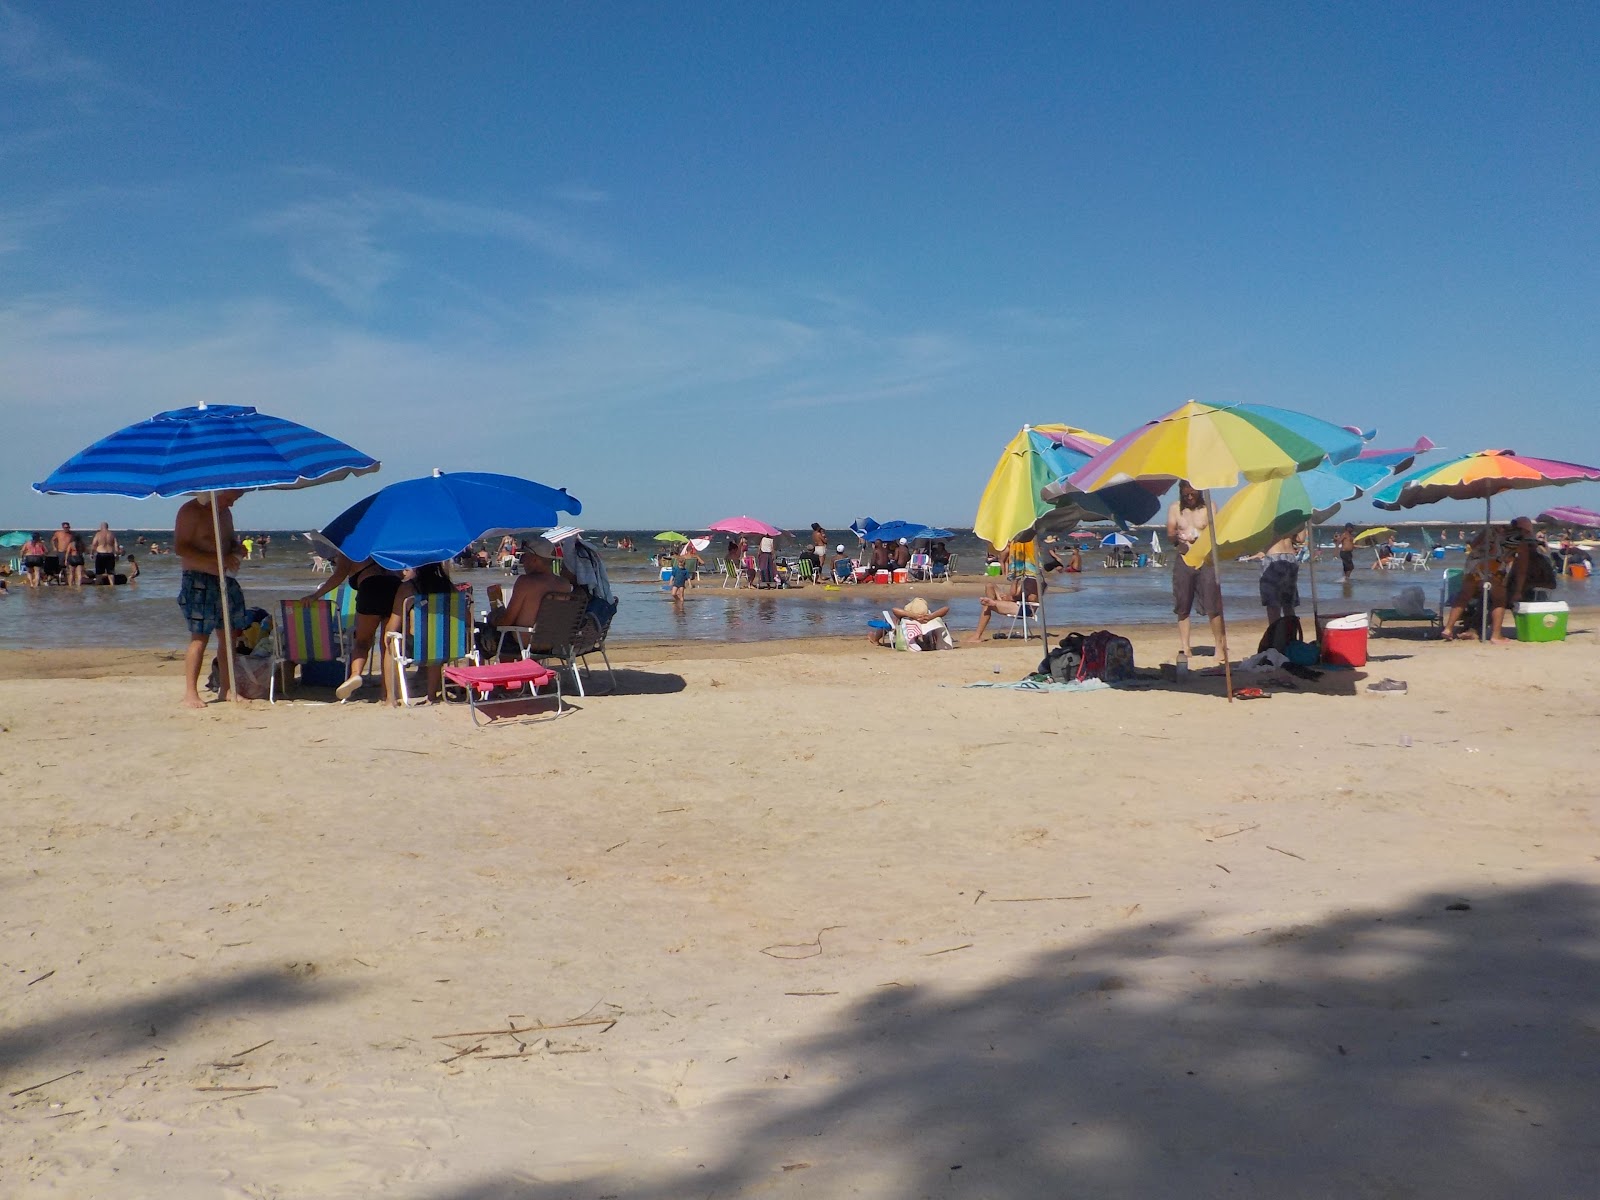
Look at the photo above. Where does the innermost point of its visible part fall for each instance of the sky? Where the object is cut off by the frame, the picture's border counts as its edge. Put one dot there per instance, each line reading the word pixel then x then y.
pixel 806 261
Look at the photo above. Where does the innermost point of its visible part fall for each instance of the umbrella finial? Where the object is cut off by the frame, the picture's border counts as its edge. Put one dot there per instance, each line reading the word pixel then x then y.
pixel 437 472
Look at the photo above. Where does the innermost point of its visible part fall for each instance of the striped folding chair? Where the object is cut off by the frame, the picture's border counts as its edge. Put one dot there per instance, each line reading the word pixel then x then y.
pixel 307 631
pixel 435 629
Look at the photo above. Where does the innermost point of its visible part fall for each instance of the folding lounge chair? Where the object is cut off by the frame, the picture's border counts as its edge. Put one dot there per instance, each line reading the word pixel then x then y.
pixel 481 682
pixel 553 636
pixel 307 631
pixel 437 630
pixel 1027 610
pixel 920 567
pixel 593 630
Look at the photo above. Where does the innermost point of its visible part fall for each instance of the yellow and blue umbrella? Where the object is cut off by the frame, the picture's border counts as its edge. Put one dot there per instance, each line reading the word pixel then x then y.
pixel 1026 491
pixel 1217 446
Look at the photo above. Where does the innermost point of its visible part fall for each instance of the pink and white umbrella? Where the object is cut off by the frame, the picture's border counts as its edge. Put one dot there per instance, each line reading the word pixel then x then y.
pixel 744 525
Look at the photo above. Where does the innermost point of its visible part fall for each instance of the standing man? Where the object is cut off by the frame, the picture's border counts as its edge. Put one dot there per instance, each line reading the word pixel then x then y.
pixel 69 546
pixel 194 541
pixel 1346 542
pixel 764 563
pixel 1187 519
pixel 105 549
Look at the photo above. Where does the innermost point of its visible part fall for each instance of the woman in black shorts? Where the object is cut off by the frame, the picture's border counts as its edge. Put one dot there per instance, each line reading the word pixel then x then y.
pixel 375 587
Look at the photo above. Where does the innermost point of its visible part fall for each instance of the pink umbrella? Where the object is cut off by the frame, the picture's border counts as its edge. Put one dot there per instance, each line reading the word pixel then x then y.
pixel 1585 518
pixel 745 525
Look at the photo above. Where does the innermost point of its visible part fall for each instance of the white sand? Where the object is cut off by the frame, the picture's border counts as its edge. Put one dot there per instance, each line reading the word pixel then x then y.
pixel 861 932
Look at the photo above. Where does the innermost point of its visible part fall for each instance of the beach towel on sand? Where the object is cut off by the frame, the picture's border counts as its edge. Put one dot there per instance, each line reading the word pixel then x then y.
pixel 1048 685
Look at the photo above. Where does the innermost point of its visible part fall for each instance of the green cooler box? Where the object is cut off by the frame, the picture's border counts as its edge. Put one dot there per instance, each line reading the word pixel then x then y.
pixel 1542 622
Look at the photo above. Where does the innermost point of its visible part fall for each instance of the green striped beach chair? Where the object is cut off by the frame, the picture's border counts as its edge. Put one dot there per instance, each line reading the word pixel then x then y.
pixel 307 631
pixel 435 629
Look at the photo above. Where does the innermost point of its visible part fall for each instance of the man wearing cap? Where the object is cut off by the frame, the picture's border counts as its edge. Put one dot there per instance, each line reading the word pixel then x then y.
pixel 536 582
pixel 902 553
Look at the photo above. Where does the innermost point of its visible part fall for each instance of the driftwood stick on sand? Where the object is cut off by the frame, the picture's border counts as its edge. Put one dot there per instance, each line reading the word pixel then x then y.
pixel 608 1022
pixel 253 1049
pixel 1034 899
pixel 949 950
pixel 1290 853
pixel 1231 832
pixel 260 1087
pixel 34 1087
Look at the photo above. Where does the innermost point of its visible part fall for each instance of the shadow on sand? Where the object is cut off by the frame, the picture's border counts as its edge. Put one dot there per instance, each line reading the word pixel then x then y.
pixel 1446 1048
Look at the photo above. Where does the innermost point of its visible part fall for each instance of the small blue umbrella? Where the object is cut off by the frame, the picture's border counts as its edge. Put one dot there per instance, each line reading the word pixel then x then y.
pixel 434 518
pixel 18 538
pixel 1116 539
pixel 208 448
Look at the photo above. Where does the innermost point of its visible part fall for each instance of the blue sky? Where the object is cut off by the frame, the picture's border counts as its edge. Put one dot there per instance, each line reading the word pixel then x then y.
pixel 806 261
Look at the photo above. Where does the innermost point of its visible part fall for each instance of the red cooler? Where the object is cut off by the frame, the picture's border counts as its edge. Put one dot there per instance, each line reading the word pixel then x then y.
pixel 882 577
pixel 1344 640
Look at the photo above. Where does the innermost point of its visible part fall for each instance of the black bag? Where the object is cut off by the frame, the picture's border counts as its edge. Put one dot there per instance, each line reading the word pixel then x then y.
pixel 1541 570
pixel 1062 663
pixel 1280 634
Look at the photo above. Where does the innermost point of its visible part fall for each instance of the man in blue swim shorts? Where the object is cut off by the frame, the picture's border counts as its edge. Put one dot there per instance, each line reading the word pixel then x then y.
pixel 194 541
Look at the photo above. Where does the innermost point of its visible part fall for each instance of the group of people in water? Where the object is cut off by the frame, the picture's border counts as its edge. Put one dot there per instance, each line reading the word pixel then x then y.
pixel 64 560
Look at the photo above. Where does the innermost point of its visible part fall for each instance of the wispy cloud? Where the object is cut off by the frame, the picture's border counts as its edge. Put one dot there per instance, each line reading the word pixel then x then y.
pixel 353 244
pixel 33 54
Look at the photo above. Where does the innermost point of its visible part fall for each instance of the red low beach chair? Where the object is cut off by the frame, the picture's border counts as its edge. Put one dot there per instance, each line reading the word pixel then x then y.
pixel 482 682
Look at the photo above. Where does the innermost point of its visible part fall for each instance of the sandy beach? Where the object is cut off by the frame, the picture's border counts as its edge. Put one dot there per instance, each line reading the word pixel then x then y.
pixel 809 919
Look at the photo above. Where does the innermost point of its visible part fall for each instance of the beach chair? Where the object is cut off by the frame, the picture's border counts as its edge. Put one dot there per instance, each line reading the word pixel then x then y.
pixel 1410 610
pixel 920 567
pixel 435 630
pixel 801 572
pixel 844 571
pixel 553 636
pixel 520 680
pixel 308 631
pixel 593 630
pixel 1027 610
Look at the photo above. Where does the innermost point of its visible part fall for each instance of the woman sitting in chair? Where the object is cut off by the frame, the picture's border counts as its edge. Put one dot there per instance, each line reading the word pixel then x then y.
pixel 1007 599
pixel 430 579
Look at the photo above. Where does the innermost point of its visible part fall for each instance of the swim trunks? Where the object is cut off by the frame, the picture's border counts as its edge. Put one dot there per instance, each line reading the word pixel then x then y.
pixel 1348 558
pixel 1195 588
pixel 105 564
pixel 1280 577
pixel 200 597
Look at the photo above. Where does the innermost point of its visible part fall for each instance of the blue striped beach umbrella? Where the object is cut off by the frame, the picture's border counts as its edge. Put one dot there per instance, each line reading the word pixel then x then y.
pixel 208 448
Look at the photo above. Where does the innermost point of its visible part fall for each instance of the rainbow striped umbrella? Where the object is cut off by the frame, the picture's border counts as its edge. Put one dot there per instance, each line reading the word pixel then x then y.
pixel 1218 446
pixel 1483 474
pixel 1479 476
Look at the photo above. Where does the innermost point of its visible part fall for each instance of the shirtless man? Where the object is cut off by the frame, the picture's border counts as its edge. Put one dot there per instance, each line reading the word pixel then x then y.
pixel 1346 544
pixel 535 583
pixel 1280 578
pixel 70 547
pixel 105 549
pixel 200 592
pixel 1006 597
pixel 1187 519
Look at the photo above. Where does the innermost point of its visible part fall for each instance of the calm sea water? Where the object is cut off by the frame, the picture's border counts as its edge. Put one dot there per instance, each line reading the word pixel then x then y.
pixel 145 615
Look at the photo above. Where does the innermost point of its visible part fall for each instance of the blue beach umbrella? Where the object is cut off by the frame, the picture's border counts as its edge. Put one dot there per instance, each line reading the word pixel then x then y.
pixel 1118 540
pixel 434 518
pixel 18 538
pixel 893 531
pixel 208 448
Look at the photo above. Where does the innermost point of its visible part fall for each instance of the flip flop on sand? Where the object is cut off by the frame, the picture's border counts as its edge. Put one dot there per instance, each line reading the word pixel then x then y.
pixel 348 688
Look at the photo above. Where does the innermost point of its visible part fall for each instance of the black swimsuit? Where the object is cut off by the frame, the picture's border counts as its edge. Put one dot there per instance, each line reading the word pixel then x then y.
pixel 375 589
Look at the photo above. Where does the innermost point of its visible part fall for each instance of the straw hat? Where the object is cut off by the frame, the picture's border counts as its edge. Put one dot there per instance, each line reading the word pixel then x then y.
pixel 917 607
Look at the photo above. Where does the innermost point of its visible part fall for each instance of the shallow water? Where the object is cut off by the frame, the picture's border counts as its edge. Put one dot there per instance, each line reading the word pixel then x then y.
pixel 146 614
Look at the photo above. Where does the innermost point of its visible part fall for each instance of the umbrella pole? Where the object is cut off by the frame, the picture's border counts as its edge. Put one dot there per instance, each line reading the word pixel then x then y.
pixel 1488 530
pixel 1222 620
pixel 225 634
pixel 1311 570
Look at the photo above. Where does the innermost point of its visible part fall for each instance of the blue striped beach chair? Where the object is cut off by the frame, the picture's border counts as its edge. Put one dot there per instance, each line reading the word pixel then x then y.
pixel 435 629
pixel 307 631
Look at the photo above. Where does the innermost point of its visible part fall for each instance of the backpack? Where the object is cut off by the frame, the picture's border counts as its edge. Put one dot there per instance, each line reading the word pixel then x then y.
pixel 1279 634
pixel 1106 656
pixel 1061 663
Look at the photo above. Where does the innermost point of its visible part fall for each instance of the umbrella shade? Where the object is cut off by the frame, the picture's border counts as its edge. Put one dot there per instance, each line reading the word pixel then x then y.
pixel 1584 517
pixel 1218 447
pixel 434 518
pixel 671 536
pixel 745 525
pixel 1478 476
pixel 16 539
pixel 1367 535
pixel 1026 486
pixel 205 449
pixel 1116 539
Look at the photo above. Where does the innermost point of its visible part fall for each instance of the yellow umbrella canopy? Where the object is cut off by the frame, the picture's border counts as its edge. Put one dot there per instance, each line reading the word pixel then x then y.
pixel 1038 455
pixel 1366 535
